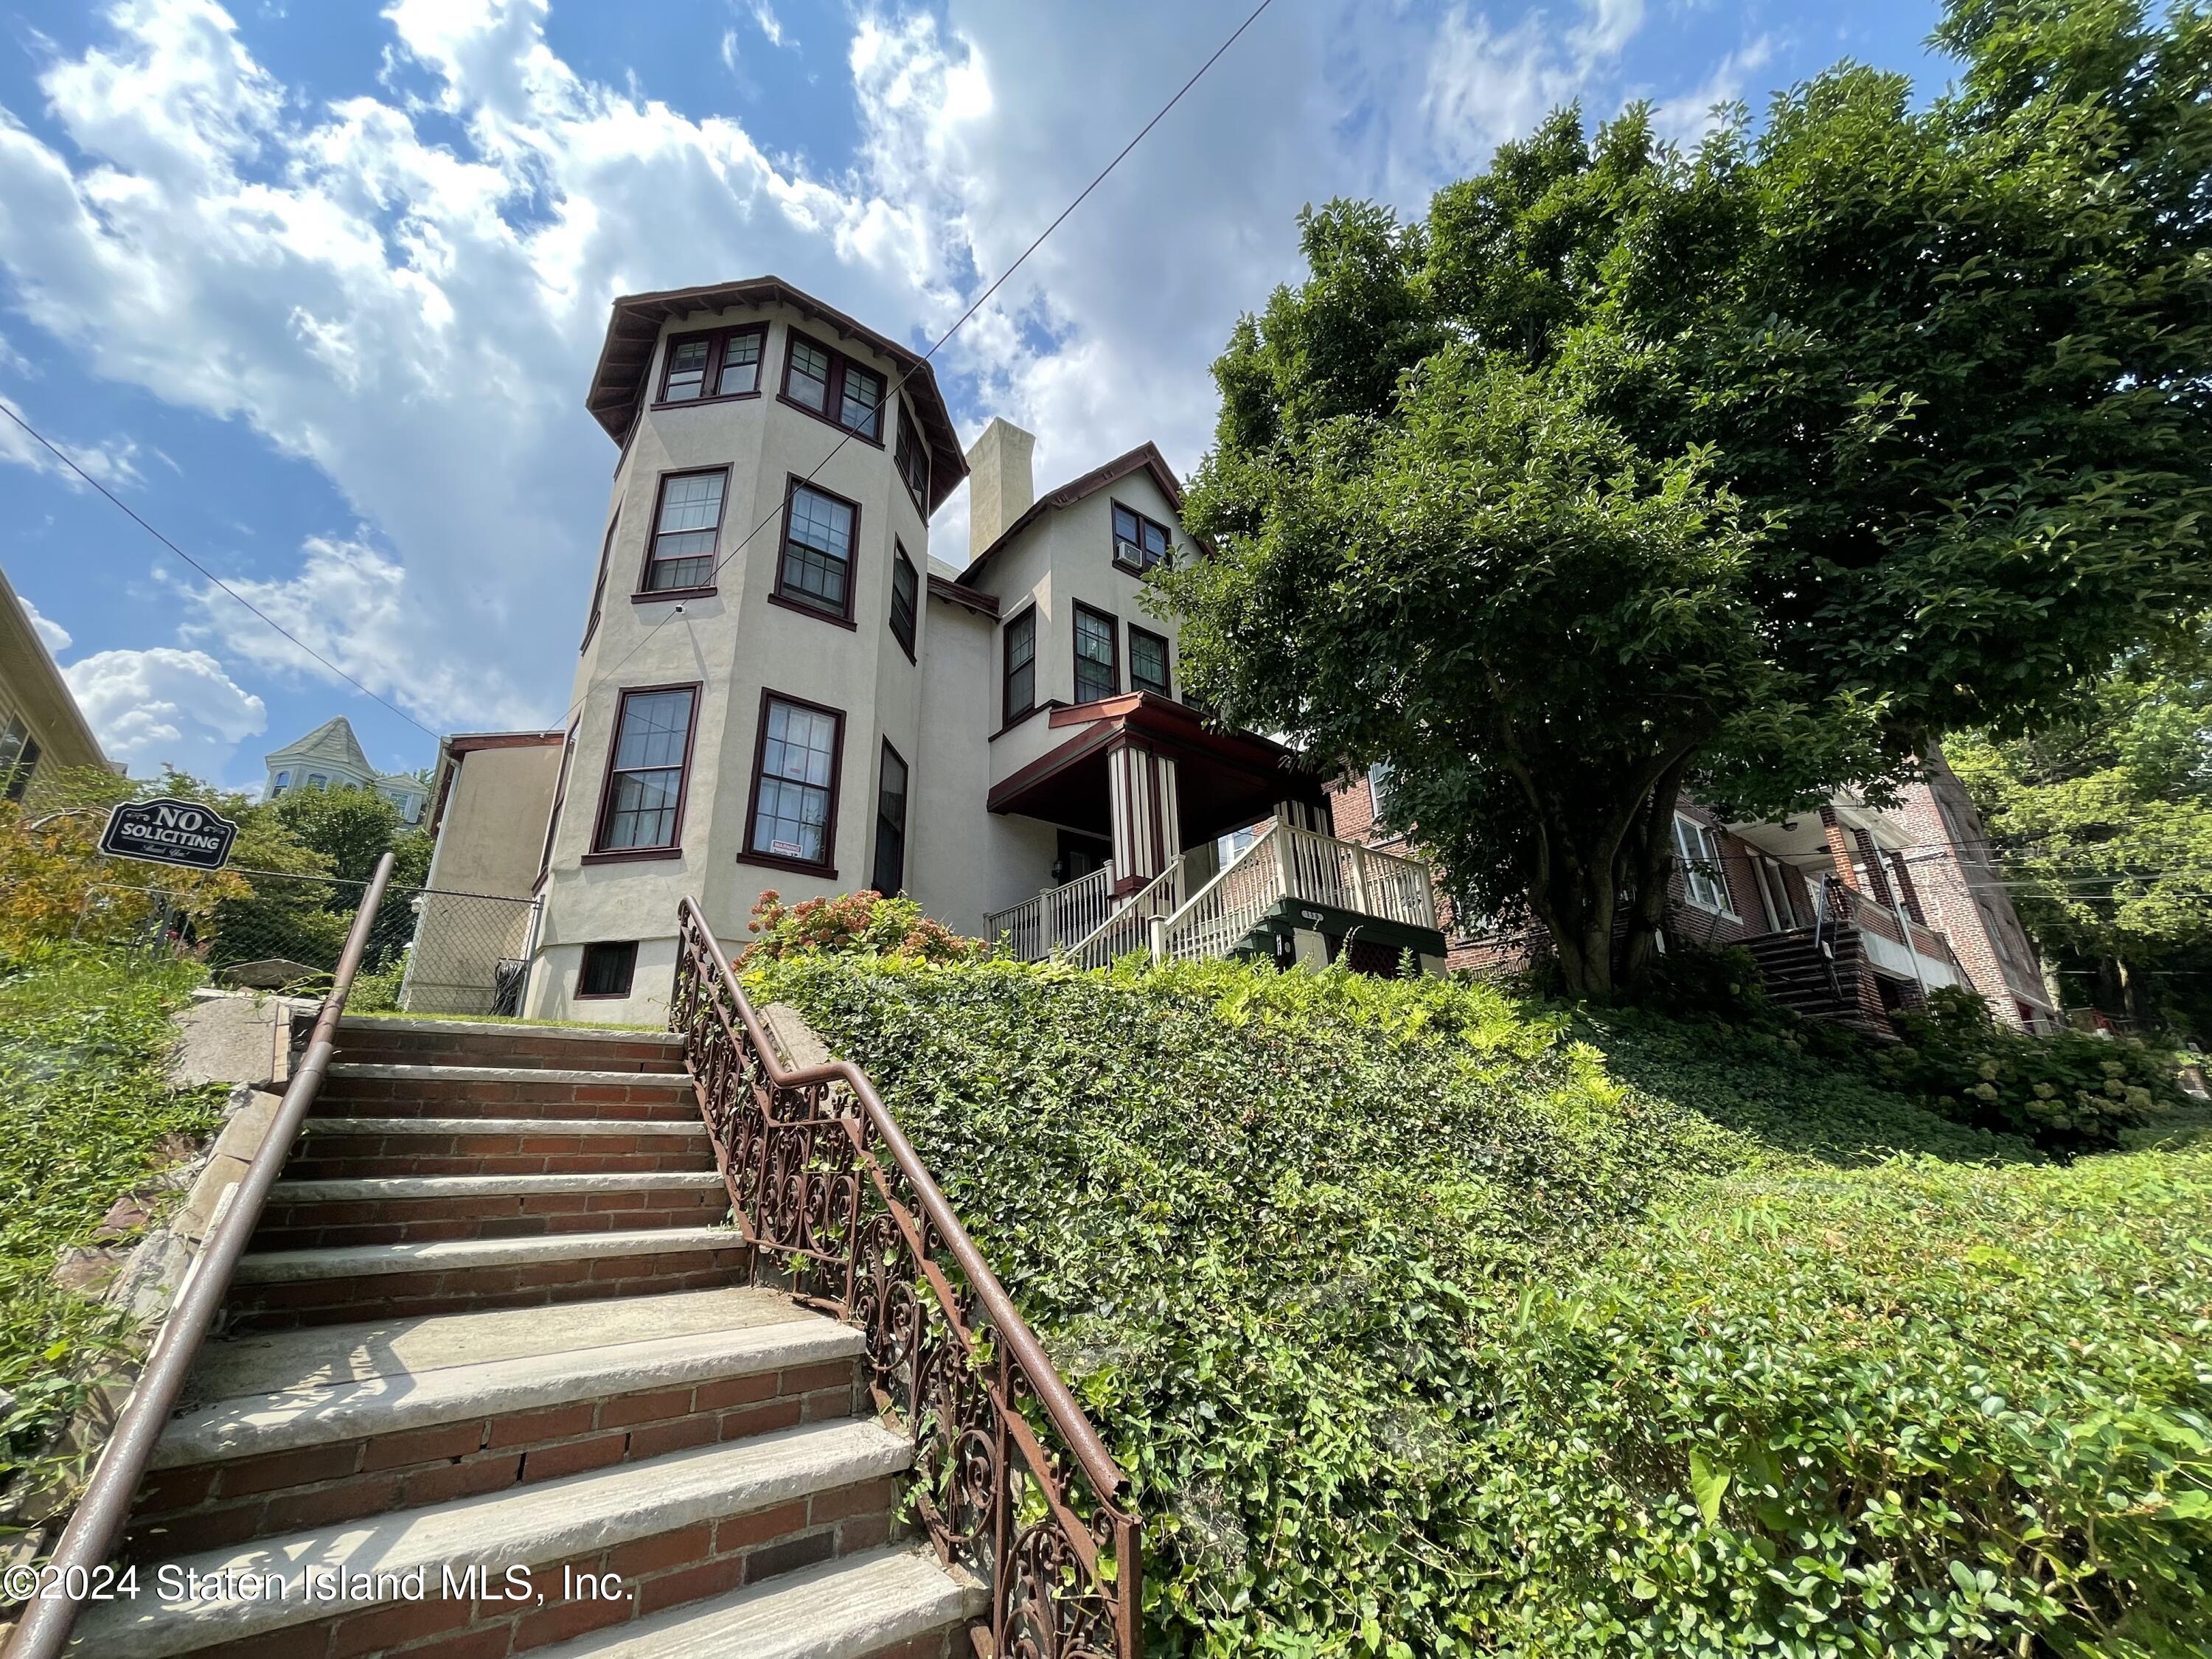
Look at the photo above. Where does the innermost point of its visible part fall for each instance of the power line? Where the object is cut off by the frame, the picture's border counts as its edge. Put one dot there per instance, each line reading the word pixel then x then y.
pixel 890 397
pixel 64 459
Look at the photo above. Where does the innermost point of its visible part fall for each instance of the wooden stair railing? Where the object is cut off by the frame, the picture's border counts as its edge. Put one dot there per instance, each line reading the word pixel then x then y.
pixel 832 1196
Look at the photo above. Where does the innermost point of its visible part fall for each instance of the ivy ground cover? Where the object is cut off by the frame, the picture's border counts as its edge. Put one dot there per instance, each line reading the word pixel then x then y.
pixel 1425 1324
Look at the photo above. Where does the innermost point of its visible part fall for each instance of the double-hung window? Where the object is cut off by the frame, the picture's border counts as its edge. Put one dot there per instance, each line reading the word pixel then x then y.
pixel 599 583
pixel 795 815
pixel 19 758
pixel 911 456
pixel 830 384
pixel 722 362
pixel 1703 879
pixel 1020 674
pixel 1148 662
pixel 888 876
pixel 642 807
pixel 1097 655
pixel 687 522
pixel 906 593
pixel 815 571
pixel 1140 543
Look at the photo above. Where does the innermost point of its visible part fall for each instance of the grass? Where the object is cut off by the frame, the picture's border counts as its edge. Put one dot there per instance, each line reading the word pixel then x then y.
pixel 86 1112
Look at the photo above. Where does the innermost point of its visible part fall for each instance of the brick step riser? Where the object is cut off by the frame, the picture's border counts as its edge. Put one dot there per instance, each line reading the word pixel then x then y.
pixel 506 1100
pixel 290 1305
pixel 341 1224
pixel 651 1574
pixel 218 1505
pixel 377 1166
pixel 509 1053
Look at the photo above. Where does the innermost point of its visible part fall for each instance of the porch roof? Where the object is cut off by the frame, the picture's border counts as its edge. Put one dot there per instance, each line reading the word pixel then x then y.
pixel 1225 780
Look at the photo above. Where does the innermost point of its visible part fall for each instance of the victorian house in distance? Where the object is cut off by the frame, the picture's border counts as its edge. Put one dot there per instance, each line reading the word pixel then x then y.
pixel 782 685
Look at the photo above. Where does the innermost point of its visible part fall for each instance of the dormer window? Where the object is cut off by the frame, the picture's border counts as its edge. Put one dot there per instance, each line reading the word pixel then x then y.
pixel 1140 543
pixel 722 362
pixel 830 384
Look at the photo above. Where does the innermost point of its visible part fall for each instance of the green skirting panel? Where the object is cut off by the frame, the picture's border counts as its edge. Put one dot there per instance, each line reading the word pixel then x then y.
pixel 1290 915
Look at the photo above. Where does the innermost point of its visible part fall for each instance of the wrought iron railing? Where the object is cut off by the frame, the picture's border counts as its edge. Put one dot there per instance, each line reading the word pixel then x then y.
pixel 1012 1482
pixel 98 1519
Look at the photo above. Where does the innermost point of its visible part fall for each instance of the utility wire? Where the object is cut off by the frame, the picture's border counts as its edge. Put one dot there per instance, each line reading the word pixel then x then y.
pixel 890 400
pixel 64 459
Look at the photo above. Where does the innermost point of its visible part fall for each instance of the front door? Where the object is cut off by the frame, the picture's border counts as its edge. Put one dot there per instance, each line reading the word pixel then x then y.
pixel 1079 854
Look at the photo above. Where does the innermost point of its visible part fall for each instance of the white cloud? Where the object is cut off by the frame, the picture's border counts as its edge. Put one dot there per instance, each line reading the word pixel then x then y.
pixel 164 708
pixel 1689 118
pixel 112 464
pixel 408 289
pixel 51 634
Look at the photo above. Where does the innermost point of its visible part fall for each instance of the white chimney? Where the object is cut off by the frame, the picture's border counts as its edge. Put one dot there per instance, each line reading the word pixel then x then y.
pixel 1000 488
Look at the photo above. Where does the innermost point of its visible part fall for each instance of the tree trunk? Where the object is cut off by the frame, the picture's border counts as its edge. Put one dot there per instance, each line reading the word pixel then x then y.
pixel 1600 882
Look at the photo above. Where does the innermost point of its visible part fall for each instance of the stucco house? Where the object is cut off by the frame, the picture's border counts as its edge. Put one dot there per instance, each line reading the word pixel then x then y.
pixel 41 728
pixel 782 685
pixel 330 757
pixel 1853 911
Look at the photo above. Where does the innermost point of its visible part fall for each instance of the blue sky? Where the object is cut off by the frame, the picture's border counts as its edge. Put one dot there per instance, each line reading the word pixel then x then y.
pixel 316 285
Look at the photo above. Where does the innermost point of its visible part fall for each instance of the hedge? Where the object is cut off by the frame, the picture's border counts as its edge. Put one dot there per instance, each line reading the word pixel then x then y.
pixel 1422 1332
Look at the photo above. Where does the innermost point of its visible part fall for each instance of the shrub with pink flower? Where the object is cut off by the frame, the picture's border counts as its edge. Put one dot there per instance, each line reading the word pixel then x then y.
pixel 865 923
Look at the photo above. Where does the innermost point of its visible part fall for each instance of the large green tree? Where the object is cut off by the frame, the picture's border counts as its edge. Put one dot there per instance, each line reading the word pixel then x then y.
pixel 2103 824
pixel 1746 471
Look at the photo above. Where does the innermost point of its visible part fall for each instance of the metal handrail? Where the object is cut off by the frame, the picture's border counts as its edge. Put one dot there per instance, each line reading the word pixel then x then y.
pixel 793 1157
pixel 100 1514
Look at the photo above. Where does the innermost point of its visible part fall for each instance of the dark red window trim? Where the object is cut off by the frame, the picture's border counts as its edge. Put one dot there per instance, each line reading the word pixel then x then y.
pixel 717 345
pixel 906 812
pixel 1008 714
pixel 1166 532
pixel 1112 632
pixel 900 562
pixel 910 442
pixel 802 603
pixel 1167 660
pixel 602 854
pixel 647 594
pixel 834 398
pixel 600 585
pixel 828 868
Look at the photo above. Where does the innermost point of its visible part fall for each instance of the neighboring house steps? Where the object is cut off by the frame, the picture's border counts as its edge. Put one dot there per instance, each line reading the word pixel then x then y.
pixel 493 1313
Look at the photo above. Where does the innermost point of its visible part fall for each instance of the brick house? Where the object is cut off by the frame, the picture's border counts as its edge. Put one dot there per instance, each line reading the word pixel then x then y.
pixel 1852 912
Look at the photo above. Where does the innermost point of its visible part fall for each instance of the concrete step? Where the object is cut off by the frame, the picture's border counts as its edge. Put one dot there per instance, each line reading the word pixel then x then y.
pixel 303 1215
pixel 481 1043
pixel 358 1148
pixel 668 1530
pixel 888 1601
pixel 362 1089
pixel 336 1422
pixel 272 1290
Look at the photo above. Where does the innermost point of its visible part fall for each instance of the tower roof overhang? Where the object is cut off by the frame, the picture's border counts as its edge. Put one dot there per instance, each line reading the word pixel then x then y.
pixel 618 380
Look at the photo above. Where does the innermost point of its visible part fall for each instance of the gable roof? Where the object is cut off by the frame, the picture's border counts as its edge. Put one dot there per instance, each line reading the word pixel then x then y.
pixel 332 741
pixel 1145 458
pixel 633 330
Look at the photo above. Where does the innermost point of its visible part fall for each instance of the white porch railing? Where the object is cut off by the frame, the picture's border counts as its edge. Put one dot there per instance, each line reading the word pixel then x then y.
pixel 1056 919
pixel 1212 918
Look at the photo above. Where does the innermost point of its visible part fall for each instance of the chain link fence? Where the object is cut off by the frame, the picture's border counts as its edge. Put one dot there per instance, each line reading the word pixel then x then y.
pixel 431 951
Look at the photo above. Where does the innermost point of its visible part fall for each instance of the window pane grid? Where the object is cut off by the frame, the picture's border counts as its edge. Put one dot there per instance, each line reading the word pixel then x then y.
pixel 645 781
pixel 1148 661
pixel 798 756
pixel 861 405
pixel 911 456
pixel 683 535
pixel 810 376
pixel 1021 663
pixel 1094 656
pixel 817 550
pixel 905 587
pixel 741 355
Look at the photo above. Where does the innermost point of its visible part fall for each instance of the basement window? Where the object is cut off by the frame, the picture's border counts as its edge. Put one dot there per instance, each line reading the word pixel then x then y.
pixel 609 967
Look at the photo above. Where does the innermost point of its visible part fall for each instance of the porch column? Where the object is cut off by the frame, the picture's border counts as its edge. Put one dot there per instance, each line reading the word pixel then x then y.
pixel 1141 785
